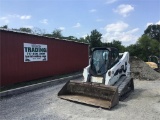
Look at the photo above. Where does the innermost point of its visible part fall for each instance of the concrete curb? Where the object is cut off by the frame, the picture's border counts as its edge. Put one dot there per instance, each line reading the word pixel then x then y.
pixel 20 90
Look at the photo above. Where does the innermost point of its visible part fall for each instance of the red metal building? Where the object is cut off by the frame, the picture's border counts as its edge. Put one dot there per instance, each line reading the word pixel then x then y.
pixel 63 57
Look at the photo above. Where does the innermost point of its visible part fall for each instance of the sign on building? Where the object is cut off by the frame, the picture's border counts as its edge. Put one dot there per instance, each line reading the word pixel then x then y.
pixel 35 52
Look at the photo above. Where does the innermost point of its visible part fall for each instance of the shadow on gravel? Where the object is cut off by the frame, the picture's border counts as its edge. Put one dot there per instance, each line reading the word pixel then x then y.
pixel 119 106
pixel 134 95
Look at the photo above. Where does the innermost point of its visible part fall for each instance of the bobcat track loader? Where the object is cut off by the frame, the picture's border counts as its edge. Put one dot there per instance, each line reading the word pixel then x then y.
pixel 154 62
pixel 106 80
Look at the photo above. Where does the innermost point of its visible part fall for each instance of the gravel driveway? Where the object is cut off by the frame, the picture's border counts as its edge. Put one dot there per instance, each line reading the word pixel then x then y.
pixel 43 104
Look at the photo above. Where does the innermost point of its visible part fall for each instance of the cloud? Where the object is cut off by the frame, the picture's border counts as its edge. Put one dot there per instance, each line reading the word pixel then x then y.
pixel 158 22
pixel 116 27
pixel 99 20
pixel 124 9
pixel 5 20
pixel 44 21
pixel 77 25
pixel 133 31
pixel 25 17
pixel 84 36
pixel 92 10
pixel 110 1
pixel 8 18
pixel 29 26
pixel 151 23
pixel 61 28
pixel 118 31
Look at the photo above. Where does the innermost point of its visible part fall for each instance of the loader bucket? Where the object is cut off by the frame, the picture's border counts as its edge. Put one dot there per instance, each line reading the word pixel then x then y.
pixel 90 93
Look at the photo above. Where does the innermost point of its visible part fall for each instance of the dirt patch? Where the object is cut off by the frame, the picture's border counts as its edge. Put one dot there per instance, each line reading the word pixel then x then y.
pixel 140 70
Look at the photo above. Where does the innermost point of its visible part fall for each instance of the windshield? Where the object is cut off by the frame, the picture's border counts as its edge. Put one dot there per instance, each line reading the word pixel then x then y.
pixel 99 61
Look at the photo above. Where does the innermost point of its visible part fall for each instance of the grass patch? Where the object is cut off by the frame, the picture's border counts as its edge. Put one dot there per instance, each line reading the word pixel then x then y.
pixel 40 80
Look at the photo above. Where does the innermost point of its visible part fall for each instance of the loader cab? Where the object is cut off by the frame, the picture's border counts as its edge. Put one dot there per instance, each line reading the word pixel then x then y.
pixel 114 56
pixel 154 59
pixel 102 59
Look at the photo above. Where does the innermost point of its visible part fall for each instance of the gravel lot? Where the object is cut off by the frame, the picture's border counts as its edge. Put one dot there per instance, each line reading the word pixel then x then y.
pixel 43 104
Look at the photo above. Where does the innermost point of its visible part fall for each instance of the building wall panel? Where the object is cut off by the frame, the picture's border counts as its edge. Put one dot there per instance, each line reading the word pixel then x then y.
pixel 63 57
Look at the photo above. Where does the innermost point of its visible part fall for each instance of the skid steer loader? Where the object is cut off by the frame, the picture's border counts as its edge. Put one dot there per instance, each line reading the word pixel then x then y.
pixel 106 80
pixel 154 62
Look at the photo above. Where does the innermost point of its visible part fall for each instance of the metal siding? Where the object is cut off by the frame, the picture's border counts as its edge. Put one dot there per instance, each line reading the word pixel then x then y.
pixel 0 60
pixel 63 57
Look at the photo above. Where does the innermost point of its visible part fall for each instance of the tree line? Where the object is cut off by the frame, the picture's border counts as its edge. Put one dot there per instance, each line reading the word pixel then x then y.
pixel 148 44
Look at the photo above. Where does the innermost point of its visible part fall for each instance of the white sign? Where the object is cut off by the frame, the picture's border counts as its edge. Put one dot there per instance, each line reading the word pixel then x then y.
pixel 35 52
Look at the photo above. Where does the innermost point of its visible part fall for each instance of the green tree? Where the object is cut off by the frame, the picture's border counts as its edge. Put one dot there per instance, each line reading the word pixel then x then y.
pixel 83 40
pixel 153 31
pixel 134 50
pixel 28 30
pixel 115 43
pixel 94 39
pixel 57 33
pixel 155 48
pixel 4 26
pixel 48 35
pixel 118 44
pixel 38 31
pixel 144 47
pixel 73 38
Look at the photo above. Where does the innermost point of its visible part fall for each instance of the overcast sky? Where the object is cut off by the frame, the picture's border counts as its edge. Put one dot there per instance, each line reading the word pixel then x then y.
pixel 123 20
